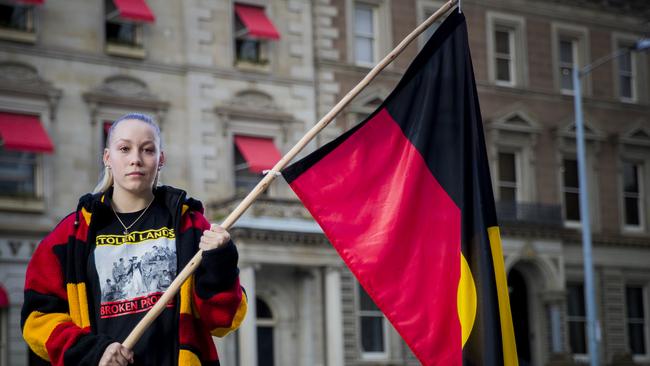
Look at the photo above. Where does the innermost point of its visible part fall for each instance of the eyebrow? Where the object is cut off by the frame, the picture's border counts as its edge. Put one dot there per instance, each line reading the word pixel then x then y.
pixel 129 141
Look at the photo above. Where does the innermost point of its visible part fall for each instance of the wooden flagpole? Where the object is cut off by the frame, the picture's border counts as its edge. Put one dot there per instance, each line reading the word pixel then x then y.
pixel 191 266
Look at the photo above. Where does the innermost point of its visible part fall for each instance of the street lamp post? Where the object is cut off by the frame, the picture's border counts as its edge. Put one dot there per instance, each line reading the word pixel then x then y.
pixel 642 44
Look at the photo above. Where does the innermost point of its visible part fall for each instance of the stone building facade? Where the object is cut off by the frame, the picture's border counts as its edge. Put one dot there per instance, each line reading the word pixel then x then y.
pixel 211 75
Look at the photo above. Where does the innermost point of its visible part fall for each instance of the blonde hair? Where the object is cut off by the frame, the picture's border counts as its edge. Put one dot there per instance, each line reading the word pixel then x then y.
pixel 106 176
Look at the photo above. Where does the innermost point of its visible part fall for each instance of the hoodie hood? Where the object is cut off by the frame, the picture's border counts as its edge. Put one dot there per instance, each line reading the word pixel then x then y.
pixel 173 199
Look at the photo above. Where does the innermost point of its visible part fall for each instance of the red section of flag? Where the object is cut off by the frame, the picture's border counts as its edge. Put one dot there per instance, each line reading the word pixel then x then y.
pixel 135 10
pixel 397 230
pixel 257 23
pixel 24 132
pixel 4 298
pixel 260 152
pixel 31 2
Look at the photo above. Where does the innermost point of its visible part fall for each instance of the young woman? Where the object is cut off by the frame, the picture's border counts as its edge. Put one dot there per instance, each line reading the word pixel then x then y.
pixel 94 277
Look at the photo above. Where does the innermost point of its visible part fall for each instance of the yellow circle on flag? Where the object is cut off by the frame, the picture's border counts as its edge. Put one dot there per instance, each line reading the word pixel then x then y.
pixel 466 299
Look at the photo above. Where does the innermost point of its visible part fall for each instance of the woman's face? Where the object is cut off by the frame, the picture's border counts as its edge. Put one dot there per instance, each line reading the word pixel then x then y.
pixel 134 156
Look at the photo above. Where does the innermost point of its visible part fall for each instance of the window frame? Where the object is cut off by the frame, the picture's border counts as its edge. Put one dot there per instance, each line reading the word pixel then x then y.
pixel 33 161
pixel 372 36
pixel 263 45
pixel 582 319
pixel 579 36
pixel 574 190
pixel 510 57
pixel 37 203
pixel 132 50
pixel 518 174
pixel 516 27
pixel 625 40
pixel 27 35
pixel 635 148
pixel 383 38
pixel 640 172
pixel 426 8
pixel 235 169
pixel 364 355
pixel 646 324
pixel 562 65
pixel 514 132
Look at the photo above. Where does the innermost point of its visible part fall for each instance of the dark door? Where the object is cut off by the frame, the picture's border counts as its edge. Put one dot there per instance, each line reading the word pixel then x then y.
pixel 519 308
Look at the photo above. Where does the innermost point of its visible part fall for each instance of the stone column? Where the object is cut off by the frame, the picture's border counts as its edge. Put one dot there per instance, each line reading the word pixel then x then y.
pixel 248 329
pixel 333 317
pixel 555 302
pixel 306 319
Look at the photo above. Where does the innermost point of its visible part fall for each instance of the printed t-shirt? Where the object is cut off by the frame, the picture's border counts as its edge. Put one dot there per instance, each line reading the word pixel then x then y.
pixel 132 272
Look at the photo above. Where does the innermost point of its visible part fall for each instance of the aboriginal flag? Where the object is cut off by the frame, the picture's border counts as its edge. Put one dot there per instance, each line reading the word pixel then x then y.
pixel 405 198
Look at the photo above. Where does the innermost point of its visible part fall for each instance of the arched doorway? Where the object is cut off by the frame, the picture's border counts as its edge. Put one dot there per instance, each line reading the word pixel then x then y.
pixel 518 290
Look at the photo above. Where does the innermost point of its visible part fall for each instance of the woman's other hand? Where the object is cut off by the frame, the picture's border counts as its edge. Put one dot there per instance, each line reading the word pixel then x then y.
pixel 214 238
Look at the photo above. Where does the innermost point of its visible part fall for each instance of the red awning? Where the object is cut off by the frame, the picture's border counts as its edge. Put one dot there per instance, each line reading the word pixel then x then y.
pixel 260 153
pixel 135 10
pixel 31 2
pixel 257 23
pixel 4 297
pixel 24 132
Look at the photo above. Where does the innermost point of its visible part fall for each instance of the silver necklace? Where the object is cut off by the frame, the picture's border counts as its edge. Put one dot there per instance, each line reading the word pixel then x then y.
pixel 126 228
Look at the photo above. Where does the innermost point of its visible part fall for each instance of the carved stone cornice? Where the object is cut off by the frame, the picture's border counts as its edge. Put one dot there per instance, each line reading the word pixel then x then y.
pixel 23 80
pixel 640 8
pixel 573 236
pixel 254 105
pixel 125 92
pixel 267 207
pixel 285 237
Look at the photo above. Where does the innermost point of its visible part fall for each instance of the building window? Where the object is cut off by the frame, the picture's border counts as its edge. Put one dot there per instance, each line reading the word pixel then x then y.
pixel 425 10
pixel 124 27
pixel 627 74
pixel 251 50
pixel 124 33
pixel 245 179
pixel 121 31
pixel 265 325
pixel 506 49
pixel 17 22
pixel 504 55
pixel 508 177
pixel 635 319
pixel 253 155
pixel 373 327
pixel 248 49
pixel 576 318
pixel 632 195
pixel 18 174
pixel 571 190
pixel 568 60
pixel 253 33
pixel 365 38
pixel 17 17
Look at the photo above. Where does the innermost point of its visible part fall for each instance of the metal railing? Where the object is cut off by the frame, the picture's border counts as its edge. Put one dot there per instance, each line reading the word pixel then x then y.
pixel 529 213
